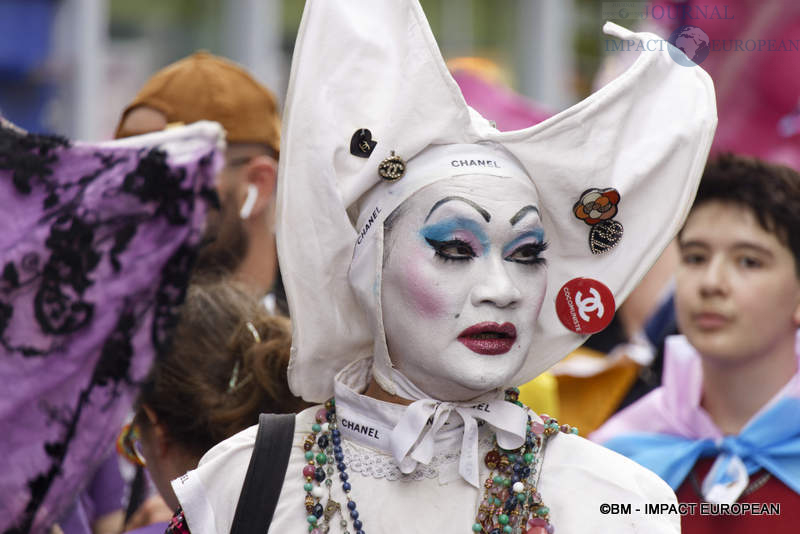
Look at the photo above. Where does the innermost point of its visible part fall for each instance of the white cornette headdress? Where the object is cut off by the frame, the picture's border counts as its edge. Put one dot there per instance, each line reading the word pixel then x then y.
pixel 374 64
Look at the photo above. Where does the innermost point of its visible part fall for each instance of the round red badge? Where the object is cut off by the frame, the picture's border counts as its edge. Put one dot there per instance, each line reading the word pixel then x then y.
pixel 585 305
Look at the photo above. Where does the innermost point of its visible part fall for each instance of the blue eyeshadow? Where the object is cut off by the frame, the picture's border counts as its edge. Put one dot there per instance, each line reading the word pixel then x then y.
pixel 537 233
pixel 445 230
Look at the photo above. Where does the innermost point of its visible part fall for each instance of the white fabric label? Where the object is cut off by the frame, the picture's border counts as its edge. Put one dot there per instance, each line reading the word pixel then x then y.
pixel 361 428
pixel 197 510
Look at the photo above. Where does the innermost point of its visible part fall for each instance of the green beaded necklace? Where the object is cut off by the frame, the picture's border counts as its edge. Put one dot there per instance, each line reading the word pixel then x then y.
pixel 511 503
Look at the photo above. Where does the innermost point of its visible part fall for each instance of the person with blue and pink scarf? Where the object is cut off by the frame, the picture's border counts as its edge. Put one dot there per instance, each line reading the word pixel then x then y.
pixel 724 427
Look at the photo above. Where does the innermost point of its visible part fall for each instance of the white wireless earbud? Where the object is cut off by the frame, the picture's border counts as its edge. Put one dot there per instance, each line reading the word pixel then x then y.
pixel 249 202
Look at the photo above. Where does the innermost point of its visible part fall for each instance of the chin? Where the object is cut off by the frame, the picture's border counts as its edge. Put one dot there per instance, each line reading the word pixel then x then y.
pixel 484 380
pixel 715 347
pixel 458 387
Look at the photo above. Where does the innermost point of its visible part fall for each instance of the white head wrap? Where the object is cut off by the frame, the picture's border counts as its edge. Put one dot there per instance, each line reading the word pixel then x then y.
pixel 374 64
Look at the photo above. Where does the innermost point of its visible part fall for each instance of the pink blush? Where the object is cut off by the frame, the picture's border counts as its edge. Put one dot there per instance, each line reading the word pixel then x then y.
pixel 420 292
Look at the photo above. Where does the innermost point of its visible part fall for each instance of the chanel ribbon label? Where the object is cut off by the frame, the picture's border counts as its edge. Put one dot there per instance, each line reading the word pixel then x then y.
pixel 474 163
pixel 368 225
pixel 361 428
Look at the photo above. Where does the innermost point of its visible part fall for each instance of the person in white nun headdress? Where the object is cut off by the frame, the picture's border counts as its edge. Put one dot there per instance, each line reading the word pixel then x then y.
pixel 430 261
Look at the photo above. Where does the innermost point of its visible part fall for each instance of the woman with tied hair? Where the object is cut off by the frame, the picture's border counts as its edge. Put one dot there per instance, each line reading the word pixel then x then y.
pixel 226 365
pixel 431 261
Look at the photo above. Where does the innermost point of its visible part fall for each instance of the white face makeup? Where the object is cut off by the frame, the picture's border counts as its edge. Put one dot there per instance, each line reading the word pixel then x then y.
pixel 463 282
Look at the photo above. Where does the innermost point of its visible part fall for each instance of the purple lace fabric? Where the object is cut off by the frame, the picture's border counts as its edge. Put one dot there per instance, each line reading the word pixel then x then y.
pixel 95 251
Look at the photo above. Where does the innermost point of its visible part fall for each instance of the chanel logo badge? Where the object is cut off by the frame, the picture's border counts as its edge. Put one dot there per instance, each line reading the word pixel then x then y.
pixel 585 306
pixel 361 144
pixel 392 168
pixel 592 304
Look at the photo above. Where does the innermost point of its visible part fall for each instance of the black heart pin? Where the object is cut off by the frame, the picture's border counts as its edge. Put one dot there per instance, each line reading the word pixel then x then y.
pixel 361 144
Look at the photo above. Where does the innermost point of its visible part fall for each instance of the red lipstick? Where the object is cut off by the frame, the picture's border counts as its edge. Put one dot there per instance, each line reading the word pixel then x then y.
pixel 489 338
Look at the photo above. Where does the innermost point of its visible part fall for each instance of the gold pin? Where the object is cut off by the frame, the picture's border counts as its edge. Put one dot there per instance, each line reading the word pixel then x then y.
pixel 597 207
pixel 392 168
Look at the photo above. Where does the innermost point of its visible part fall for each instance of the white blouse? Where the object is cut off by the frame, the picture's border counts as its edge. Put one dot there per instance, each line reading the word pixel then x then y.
pixel 578 478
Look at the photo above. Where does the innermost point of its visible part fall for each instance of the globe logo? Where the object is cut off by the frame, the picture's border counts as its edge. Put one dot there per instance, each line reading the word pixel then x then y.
pixel 690 46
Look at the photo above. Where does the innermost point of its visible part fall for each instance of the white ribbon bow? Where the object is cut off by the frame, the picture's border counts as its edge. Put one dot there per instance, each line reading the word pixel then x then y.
pixel 412 439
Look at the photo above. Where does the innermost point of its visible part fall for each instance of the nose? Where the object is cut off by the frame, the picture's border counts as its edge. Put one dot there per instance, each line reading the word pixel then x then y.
pixel 713 280
pixel 496 286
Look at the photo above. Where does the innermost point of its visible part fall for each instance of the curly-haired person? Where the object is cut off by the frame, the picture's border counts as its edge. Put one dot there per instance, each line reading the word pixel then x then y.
pixel 227 364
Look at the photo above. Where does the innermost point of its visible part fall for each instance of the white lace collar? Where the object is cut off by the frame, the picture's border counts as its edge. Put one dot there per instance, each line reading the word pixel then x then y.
pixel 416 434
pixel 369 422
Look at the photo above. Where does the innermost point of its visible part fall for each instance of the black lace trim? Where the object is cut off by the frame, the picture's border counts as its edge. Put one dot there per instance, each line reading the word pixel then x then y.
pixel 30 156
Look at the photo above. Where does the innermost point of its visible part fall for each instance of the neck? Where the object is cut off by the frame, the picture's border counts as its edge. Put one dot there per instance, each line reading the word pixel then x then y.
pixel 174 466
pixel 257 268
pixel 733 392
pixel 375 391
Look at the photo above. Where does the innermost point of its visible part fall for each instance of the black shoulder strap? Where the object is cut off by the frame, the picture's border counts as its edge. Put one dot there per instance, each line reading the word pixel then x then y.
pixel 264 479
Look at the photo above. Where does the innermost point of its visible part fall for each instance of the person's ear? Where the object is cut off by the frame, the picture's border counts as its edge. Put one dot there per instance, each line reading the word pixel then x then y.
pixel 796 315
pixel 152 418
pixel 156 432
pixel 261 176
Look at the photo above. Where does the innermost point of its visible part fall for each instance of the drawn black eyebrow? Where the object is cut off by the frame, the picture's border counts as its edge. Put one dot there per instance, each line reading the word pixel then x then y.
pixel 483 212
pixel 521 213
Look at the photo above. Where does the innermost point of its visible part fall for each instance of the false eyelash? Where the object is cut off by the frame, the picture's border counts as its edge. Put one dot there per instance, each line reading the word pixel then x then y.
pixel 539 248
pixel 440 246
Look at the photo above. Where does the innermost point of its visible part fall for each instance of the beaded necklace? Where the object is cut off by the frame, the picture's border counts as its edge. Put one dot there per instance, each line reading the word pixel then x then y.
pixel 511 503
